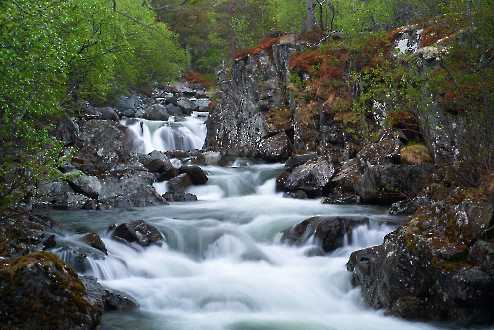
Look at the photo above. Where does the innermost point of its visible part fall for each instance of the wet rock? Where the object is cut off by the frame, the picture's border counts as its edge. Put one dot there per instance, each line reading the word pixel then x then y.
pixel 138 232
pixel 94 240
pixel 212 158
pixel 281 180
pixel 87 185
pixel 50 242
pixel 68 131
pixel 274 148
pixel 313 177
pixel 34 286
pixel 174 110
pixel 21 234
pixel 59 195
pixel 435 267
pixel 329 232
pixel 131 190
pixel 179 183
pixel 103 146
pixel 408 206
pixel 130 106
pixel 386 184
pixel 186 105
pixel 298 160
pixel 299 194
pixel 196 174
pixel 156 161
pixel 157 112
pixel 179 197
pixel 107 299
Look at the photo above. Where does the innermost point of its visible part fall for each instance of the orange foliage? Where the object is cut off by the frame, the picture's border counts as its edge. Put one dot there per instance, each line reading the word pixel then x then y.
pixel 434 33
pixel 265 44
pixel 305 61
pixel 194 77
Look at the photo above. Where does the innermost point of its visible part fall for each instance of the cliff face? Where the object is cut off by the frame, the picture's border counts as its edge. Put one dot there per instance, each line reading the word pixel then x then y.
pixel 252 117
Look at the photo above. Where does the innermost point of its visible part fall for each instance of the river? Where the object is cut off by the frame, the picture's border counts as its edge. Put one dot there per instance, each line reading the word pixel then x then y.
pixel 224 267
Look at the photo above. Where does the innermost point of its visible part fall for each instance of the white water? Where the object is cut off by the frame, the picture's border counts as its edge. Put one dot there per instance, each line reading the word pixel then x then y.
pixel 225 269
pixel 177 133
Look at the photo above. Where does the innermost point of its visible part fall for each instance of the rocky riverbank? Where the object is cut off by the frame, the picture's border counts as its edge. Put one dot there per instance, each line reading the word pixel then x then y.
pixel 286 102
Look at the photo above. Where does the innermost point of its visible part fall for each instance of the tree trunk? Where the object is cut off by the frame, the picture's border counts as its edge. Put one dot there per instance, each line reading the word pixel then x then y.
pixel 310 20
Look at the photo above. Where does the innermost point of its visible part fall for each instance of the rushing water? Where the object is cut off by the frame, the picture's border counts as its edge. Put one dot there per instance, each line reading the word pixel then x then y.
pixel 177 133
pixel 223 267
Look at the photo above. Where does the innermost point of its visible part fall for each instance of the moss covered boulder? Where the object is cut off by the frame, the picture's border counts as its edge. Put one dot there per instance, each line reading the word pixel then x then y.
pixel 40 292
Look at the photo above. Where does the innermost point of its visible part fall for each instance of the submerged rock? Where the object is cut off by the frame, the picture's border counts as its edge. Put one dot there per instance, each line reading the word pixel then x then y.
pixel 35 286
pixel 329 232
pixel 94 240
pixel 179 197
pixel 138 232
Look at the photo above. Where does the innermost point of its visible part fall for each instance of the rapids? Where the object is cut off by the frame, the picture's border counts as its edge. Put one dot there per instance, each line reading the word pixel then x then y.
pixel 224 267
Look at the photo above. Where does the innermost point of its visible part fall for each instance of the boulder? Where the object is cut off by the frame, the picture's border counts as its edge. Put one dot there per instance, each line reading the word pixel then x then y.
pixel 329 232
pixel 130 190
pixel 186 105
pixel 130 106
pixel 179 184
pixel 87 185
pixel 386 184
pixel 34 286
pixel 138 232
pixel 156 112
pixel 155 162
pixel 179 197
pixel 196 174
pixel 77 256
pixel 103 146
pixel 313 177
pixel 437 267
pixel 94 240
pixel 107 299
pixel 59 195
pixel 274 148
pixel 25 233
pixel 68 130
pixel 298 160
pixel 174 110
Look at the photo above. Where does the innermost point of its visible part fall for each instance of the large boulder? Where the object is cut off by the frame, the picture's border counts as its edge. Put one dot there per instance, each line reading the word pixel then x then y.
pixel 130 106
pixel 275 148
pixel 131 190
pixel 329 232
pixel 138 232
pixel 437 266
pixel 36 286
pixel 103 146
pixel 85 184
pixel 313 177
pixel 59 195
pixel 386 184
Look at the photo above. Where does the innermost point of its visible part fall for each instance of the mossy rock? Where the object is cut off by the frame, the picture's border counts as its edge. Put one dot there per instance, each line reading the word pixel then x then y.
pixel 40 292
pixel 416 154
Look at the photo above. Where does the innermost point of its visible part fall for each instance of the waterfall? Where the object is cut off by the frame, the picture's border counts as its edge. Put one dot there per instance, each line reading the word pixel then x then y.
pixel 185 133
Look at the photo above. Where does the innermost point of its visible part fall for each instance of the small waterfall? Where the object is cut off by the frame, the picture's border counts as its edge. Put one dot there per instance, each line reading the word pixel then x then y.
pixel 186 133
